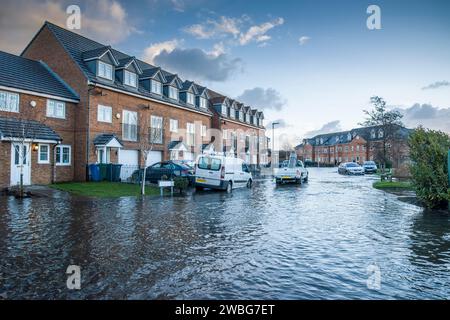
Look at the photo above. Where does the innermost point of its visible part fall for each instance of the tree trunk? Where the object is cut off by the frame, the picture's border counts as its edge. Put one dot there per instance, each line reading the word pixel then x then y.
pixel 143 180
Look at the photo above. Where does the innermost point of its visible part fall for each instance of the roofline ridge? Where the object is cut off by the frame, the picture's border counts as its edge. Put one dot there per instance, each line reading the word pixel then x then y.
pixel 59 79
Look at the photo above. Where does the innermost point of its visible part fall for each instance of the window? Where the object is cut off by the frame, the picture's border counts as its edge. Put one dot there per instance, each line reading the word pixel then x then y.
pixel 173 93
pixel 129 78
pixel 63 155
pixel 203 131
pixel 190 128
pixel 104 114
pixel 44 154
pixel 225 134
pixel 9 101
pixel 224 110
pixel 129 126
pixel 156 87
pixel 372 134
pixel 203 103
pixel 206 163
pixel 173 125
pixel 56 109
pixel 156 129
pixel 380 133
pixel 232 113
pixel 190 98
pixel 105 70
pixel 241 116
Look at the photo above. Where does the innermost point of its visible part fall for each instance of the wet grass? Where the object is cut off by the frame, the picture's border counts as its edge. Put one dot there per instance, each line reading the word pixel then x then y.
pixel 104 189
pixel 399 185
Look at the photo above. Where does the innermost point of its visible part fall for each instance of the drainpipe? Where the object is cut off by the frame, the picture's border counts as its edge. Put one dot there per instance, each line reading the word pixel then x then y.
pixel 88 130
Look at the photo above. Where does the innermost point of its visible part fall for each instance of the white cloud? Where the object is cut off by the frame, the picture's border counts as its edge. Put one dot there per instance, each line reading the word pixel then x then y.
pixel 178 5
pixel 303 40
pixel 427 116
pixel 258 33
pixel 213 29
pixel 155 49
pixel 330 127
pixel 437 85
pixel 263 98
pixel 104 20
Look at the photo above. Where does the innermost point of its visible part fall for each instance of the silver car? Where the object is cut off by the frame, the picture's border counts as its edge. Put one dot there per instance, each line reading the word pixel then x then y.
pixel 350 168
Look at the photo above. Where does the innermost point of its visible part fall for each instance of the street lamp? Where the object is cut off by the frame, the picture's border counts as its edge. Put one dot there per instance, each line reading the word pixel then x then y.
pixel 273 145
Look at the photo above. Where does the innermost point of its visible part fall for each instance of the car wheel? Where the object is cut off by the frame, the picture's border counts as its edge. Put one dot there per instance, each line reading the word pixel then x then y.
pixel 198 188
pixel 249 183
pixel 229 187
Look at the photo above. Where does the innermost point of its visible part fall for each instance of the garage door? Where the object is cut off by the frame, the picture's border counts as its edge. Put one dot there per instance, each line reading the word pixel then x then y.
pixel 154 157
pixel 129 159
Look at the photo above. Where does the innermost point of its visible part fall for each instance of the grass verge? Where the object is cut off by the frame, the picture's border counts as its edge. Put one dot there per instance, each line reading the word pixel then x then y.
pixel 393 185
pixel 104 189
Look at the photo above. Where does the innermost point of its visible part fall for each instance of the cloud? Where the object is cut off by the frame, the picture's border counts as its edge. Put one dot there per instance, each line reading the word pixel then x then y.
pixel 427 116
pixel 155 49
pixel 280 124
pixel 437 85
pixel 263 98
pixel 303 40
pixel 258 33
pixel 330 127
pixel 21 19
pixel 178 5
pixel 198 64
pixel 232 28
pixel 214 29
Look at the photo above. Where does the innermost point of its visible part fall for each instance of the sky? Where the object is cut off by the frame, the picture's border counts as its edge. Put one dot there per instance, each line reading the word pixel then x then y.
pixel 311 66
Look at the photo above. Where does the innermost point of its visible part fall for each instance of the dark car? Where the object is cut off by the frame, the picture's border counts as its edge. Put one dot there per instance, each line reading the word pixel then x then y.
pixel 170 169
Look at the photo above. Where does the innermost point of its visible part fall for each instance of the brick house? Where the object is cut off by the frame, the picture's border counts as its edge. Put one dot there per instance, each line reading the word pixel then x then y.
pixel 240 130
pixel 357 145
pixel 37 121
pixel 125 105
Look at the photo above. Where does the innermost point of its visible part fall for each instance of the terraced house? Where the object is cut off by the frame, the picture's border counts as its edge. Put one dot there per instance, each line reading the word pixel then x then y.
pixel 37 121
pixel 123 106
pixel 356 145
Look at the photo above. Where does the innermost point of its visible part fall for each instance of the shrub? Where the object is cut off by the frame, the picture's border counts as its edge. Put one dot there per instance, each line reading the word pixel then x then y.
pixel 181 183
pixel 429 168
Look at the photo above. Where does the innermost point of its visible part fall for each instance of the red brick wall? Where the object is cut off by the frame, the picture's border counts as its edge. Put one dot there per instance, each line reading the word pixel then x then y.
pixel 40 174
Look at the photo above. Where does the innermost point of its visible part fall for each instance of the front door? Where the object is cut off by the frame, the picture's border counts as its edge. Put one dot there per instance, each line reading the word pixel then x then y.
pixel 20 163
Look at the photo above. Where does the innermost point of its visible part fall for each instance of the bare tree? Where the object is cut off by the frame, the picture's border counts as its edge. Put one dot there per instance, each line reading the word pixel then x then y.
pixel 389 121
pixel 147 141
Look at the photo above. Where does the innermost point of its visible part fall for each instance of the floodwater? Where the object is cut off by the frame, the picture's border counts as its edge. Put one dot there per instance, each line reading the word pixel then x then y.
pixel 333 238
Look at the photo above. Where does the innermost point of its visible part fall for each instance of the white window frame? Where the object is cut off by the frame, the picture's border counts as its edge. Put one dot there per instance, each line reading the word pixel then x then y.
pixel 134 113
pixel 225 134
pixel 6 100
pixel 173 93
pixel 52 112
pixel 241 116
pixel 156 87
pixel 101 113
pixel 173 125
pixel 190 130
pixel 105 70
pixel 203 103
pixel 61 152
pixel 203 130
pixel 39 154
pixel 224 110
pixel 190 98
pixel 130 78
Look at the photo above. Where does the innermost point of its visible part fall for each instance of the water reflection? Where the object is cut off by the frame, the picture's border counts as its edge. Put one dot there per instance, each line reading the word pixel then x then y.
pixel 311 241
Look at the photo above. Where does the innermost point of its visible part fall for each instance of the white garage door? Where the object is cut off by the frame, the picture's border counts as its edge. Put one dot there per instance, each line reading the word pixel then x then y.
pixel 129 159
pixel 154 157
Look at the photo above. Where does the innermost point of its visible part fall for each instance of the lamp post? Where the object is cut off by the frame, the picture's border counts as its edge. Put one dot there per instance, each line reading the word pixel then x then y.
pixel 273 145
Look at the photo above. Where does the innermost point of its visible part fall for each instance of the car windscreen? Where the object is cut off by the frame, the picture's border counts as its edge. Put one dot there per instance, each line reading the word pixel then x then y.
pixel 351 165
pixel 206 163
pixel 369 163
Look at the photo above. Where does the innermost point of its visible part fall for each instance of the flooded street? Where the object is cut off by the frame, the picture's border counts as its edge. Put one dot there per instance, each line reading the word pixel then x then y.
pixel 315 241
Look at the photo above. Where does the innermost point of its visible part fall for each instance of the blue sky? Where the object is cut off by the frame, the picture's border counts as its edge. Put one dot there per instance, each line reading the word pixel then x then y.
pixel 252 50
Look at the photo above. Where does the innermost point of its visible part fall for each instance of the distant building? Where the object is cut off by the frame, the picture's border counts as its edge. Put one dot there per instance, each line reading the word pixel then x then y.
pixel 356 145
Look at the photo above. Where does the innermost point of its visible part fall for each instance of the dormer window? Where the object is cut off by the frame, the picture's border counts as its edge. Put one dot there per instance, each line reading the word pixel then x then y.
pixel 156 87
pixel 190 98
pixel 203 103
pixel 224 110
pixel 232 113
pixel 380 133
pixel 105 70
pixel 241 116
pixel 247 118
pixel 349 137
pixel 173 93
pixel 372 134
pixel 129 79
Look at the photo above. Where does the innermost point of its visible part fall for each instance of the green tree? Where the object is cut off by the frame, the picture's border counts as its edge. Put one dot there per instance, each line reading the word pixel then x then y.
pixel 388 121
pixel 429 167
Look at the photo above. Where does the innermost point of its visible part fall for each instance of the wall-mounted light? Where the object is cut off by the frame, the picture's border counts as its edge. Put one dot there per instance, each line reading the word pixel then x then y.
pixel 118 115
pixel 33 103
pixel 35 147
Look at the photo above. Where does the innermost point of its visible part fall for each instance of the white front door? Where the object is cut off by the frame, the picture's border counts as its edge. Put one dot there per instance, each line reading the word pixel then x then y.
pixel 20 163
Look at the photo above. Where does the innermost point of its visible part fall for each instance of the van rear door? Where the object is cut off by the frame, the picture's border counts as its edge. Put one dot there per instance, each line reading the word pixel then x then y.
pixel 208 171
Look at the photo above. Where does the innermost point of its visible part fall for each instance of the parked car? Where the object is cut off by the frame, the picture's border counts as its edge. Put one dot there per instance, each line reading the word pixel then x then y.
pixel 350 168
pixel 370 167
pixel 170 169
pixel 221 172
pixel 293 171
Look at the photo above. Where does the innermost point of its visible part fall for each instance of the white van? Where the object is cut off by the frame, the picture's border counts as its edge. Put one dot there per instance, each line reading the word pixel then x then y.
pixel 221 172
